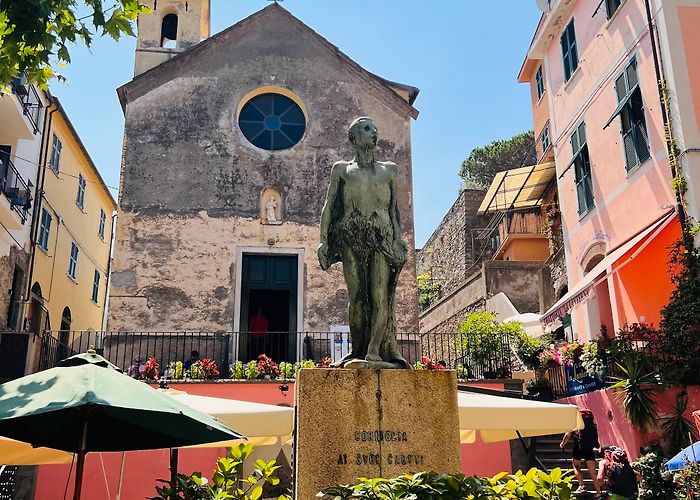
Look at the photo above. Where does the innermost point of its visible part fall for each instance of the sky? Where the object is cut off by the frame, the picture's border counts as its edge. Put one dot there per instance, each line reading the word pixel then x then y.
pixel 463 55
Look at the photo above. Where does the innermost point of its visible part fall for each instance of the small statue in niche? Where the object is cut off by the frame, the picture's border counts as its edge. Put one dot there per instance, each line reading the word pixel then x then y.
pixel 271 210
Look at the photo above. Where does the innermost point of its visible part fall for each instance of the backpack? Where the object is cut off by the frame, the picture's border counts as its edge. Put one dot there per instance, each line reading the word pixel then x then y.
pixel 621 479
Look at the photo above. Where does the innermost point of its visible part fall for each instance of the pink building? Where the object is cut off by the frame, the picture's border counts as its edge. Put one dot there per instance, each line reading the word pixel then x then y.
pixel 596 69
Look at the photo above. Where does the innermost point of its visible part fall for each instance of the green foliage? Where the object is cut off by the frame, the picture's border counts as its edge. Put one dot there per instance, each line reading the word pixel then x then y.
pixel 196 371
pixel 237 371
pixel 286 370
pixel 251 370
pixel 688 482
pixel 302 364
pixel 482 336
pixel 228 482
pixel 535 484
pixel 428 290
pixel 635 389
pixel 35 35
pixel 527 348
pixel 680 321
pixel 176 370
pixel 483 163
pixel 656 482
pixel 677 428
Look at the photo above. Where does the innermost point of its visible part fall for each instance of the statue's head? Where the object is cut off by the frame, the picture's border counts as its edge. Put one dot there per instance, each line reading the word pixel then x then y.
pixel 362 133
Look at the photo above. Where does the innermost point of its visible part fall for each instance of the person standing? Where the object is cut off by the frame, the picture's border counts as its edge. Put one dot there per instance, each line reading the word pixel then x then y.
pixel 585 443
pixel 616 471
pixel 258 327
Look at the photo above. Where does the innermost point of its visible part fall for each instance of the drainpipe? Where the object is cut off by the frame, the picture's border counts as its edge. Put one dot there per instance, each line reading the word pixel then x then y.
pixel 109 273
pixel 40 177
pixel 660 82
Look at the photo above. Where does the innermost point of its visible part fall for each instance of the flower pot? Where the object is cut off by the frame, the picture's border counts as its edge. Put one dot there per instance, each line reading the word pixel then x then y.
pixel 267 377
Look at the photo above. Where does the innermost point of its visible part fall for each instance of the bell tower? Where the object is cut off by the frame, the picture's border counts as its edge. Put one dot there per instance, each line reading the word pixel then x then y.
pixel 172 27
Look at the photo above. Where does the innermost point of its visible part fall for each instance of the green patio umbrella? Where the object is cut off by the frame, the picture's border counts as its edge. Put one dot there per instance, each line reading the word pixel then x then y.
pixel 89 406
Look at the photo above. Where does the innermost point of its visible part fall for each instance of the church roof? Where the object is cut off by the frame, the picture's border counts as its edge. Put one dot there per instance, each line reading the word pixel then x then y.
pixel 391 90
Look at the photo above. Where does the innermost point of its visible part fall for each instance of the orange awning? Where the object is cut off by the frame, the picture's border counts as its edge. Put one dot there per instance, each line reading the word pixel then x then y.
pixel 581 291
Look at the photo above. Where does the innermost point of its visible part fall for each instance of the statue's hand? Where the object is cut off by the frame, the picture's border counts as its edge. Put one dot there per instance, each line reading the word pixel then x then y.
pixel 400 249
pixel 322 253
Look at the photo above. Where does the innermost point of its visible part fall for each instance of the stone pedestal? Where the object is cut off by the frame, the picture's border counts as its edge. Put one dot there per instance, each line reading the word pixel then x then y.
pixel 373 423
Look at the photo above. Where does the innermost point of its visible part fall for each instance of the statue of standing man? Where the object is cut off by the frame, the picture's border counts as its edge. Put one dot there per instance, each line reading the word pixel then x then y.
pixel 360 227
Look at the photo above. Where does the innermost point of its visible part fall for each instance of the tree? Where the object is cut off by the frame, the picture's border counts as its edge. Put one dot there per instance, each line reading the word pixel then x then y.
pixel 35 35
pixel 483 163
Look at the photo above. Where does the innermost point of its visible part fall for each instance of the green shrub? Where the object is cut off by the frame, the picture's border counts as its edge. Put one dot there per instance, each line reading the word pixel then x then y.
pixel 286 370
pixel 228 481
pixel 688 482
pixel 236 371
pixel 176 370
pixel 197 372
pixel 657 483
pixel 431 486
pixel 251 370
pixel 302 364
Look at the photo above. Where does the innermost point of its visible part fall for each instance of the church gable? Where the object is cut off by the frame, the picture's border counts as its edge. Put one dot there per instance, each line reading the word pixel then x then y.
pixel 267 41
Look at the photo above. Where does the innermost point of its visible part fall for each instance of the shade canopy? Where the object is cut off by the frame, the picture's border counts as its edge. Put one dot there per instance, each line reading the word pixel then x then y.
pixel 50 408
pixel 686 456
pixel 14 452
pixel 262 424
pixel 518 188
pixel 581 291
pixel 498 418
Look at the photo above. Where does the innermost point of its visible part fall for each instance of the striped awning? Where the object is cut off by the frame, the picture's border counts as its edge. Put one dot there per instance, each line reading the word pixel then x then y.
pixel 518 188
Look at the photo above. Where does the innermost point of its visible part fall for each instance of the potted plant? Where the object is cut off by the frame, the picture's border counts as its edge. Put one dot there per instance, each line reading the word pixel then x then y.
pixel 210 368
pixel 426 363
pixel 267 367
pixel 150 369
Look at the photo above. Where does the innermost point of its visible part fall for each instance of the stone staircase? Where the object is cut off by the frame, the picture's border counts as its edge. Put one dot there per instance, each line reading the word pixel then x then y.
pixel 552 456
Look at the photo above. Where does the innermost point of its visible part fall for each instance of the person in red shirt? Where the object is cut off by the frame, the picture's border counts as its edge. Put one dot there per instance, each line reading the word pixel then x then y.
pixel 258 327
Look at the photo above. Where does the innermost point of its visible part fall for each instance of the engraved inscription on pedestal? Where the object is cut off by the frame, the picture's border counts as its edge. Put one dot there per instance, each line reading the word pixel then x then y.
pixel 373 423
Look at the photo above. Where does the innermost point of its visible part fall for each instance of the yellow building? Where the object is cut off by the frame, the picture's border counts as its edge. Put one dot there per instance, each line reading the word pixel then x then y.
pixel 72 235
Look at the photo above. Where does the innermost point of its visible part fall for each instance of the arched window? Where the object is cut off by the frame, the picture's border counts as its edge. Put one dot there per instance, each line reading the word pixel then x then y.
pixel 592 262
pixel 36 289
pixel 65 319
pixel 168 31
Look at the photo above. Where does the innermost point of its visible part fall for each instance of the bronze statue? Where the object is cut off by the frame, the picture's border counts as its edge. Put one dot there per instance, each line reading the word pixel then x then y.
pixel 360 227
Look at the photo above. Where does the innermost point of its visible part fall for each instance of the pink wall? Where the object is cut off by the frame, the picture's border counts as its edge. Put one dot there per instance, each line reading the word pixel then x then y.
pixel 625 203
pixel 689 18
pixel 613 427
pixel 142 468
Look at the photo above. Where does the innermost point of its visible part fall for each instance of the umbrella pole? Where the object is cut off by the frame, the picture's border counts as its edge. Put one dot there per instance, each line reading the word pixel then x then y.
pixel 174 455
pixel 81 460
pixel 121 477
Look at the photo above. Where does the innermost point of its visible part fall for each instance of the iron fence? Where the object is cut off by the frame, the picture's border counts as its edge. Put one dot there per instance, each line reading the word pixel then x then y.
pixel 29 100
pixel 474 356
pixel 14 187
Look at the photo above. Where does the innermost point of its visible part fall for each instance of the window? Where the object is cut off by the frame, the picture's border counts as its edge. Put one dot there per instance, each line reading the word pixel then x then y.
pixel 73 262
pixel 44 230
pixel 545 139
pixel 611 6
pixel 80 197
pixel 168 31
pixel 582 170
pixel 272 121
pixel 55 153
pixel 96 286
pixel 539 80
pixel 101 227
pixel 630 108
pixel 569 51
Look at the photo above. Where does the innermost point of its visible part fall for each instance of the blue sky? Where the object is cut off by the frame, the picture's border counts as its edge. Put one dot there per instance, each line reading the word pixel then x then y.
pixel 464 55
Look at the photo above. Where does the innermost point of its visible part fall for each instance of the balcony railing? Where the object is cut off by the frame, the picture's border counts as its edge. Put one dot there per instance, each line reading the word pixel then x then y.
pixel 517 223
pixel 474 357
pixel 29 99
pixel 14 187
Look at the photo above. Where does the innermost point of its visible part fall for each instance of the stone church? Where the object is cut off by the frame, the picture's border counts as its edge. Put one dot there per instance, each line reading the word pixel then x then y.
pixel 228 146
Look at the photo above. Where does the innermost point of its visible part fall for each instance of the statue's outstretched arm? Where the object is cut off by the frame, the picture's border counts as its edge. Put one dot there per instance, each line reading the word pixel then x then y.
pixel 326 214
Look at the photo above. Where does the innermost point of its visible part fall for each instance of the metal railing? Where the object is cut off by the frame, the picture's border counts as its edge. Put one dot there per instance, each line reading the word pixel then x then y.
pixel 475 357
pixel 14 187
pixel 29 99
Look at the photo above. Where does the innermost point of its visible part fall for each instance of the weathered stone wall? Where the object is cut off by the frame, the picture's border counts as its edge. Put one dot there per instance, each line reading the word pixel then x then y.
pixel 520 281
pixel 16 257
pixel 191 182
pixel 451 252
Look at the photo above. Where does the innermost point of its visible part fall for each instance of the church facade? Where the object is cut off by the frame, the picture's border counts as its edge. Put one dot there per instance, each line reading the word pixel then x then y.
pixel 228 146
